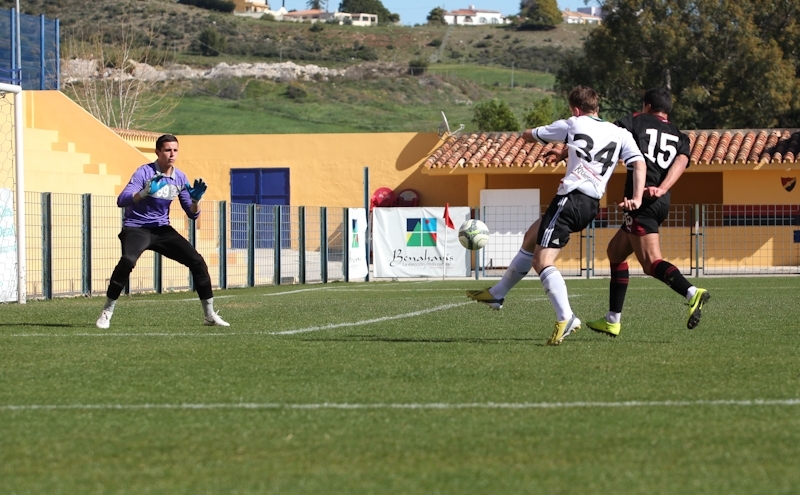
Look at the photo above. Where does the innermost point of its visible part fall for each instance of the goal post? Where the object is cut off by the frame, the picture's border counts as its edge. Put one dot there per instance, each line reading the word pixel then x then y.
pixel 12 197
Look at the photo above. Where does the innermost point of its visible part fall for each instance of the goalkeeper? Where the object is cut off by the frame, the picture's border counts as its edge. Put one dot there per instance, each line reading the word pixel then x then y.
pixel 145 225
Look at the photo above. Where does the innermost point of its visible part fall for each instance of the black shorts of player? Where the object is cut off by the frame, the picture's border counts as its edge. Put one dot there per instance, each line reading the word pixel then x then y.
pixel 565 215
pixel 646 219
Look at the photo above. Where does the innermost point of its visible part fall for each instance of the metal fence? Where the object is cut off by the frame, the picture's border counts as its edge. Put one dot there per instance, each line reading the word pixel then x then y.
pixel 698 239
pixel 72 244
pixel 33 60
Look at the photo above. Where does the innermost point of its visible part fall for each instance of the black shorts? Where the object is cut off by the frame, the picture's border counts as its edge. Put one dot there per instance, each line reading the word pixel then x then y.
pixel 565 215
pixel 646 219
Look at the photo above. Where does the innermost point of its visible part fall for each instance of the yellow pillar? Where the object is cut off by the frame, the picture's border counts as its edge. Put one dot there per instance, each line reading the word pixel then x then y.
pixel 475 184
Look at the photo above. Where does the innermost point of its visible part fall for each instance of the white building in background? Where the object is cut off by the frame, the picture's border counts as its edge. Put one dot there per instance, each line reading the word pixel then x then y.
pixel 361 19
pixel 474 17
pixel 595 11
pixel 315 15
pixel 572 17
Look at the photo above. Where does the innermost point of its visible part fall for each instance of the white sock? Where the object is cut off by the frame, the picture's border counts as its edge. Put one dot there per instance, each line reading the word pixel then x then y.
pixel 109 305
pixel 556 290
pixel 612 317
pixel 516 271
pixel 691 292
pixel 208 306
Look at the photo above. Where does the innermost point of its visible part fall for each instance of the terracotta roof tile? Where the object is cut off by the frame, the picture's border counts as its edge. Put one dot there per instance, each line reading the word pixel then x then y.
pixel 490 150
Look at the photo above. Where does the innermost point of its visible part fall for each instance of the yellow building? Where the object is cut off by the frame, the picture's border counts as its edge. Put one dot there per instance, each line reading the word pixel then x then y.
pixel 251 6
pixel 747 176
pixel 62 141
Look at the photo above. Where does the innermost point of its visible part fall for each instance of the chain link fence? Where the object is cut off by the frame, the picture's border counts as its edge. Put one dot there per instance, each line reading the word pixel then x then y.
pixel 698 239
pixel 72 244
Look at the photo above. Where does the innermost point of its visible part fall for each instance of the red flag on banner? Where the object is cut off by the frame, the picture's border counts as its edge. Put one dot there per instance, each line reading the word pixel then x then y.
pixel 447 220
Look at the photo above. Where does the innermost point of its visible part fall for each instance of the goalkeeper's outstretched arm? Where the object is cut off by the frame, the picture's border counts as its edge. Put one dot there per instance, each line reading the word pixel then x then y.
pixel 192 208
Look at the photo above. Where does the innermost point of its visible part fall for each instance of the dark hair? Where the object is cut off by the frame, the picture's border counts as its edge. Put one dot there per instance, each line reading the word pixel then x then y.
pixel 166 138
pixel 659 99
pixel 584 98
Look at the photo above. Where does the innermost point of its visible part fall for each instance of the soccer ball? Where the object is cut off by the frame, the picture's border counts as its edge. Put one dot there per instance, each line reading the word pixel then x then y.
pixel 473 234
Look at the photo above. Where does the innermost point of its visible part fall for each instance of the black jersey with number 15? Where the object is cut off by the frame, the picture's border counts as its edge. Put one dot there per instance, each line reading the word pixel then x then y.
pixel 660 142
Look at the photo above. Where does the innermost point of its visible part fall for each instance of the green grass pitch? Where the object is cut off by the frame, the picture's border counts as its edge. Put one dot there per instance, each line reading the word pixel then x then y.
pixel 404 388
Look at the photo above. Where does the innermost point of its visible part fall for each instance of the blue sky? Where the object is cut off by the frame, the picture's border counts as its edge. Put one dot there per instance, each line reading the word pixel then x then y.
pixel 415 11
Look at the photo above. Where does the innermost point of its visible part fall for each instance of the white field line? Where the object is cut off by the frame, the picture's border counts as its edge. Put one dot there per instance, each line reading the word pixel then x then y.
pixel 373 320
pixel 418 406
pixel 230 334
pixel 301 290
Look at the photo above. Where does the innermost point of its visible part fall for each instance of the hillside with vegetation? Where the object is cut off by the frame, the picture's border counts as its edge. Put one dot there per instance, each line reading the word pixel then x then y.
pixel 456 66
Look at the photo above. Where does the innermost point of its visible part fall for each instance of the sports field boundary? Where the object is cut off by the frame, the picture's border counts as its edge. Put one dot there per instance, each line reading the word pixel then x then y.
pixel 413 405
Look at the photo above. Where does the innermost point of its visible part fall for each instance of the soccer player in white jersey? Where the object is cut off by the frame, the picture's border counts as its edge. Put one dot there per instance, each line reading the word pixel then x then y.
pixel 595 147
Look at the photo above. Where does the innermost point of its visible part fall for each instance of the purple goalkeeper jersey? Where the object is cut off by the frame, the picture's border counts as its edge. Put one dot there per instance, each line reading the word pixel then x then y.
pixel 153 211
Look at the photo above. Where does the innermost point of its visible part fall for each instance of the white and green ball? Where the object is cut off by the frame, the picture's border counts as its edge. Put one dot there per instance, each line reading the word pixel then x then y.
pixel 473 234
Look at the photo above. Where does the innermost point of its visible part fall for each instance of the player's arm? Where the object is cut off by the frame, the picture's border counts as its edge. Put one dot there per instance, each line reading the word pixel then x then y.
pixel 192 208
pixel 673 174
pixel 559 155
pixel 639 177
pixel 633 159
pixel 131 193
pixel 555 132
pixel 190 197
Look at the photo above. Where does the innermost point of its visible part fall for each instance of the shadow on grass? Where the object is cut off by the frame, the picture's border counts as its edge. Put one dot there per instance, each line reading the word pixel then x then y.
pixel 54 325
pixel 408 340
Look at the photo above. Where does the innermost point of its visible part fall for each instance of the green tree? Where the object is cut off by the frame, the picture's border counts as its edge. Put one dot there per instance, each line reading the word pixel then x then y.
pixel 211 43
pixel 540 13
pixel 315 4
pixel 495 116
pixel 436 16
pixel 729 64
pixel 545 111
pixel 368 7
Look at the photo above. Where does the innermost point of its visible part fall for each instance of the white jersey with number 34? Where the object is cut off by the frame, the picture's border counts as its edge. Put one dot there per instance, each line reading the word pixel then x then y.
pixel 595 148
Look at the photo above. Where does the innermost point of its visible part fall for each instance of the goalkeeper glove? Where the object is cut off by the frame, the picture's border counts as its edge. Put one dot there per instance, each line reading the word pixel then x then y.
pixel 153 185
pixel 198 190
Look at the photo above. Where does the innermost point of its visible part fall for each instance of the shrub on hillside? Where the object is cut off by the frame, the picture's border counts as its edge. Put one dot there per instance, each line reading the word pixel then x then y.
pixel 209 43
pixel 296 91
pixel 417 67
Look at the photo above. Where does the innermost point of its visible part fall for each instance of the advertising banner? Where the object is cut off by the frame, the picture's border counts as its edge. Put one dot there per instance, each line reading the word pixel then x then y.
pixel 416 242
pixel 357 264
pixel 8 247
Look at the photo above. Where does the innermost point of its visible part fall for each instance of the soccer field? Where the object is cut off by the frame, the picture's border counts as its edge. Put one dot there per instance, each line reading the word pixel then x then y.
pixel 404 388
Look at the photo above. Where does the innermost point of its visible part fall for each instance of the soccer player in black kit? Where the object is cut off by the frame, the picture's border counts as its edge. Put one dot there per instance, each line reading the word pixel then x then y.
pixel 666 152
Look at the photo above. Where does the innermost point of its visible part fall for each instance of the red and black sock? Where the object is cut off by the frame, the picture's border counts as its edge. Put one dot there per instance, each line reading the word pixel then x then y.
pixel 670 275
pixel 618 286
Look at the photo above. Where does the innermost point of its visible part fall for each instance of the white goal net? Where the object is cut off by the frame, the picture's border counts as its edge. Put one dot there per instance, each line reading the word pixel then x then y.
pixel 12 197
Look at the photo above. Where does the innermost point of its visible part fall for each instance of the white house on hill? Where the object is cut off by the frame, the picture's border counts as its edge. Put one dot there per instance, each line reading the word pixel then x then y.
pixel 474 17
pixel 572 17
pixel 313 16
